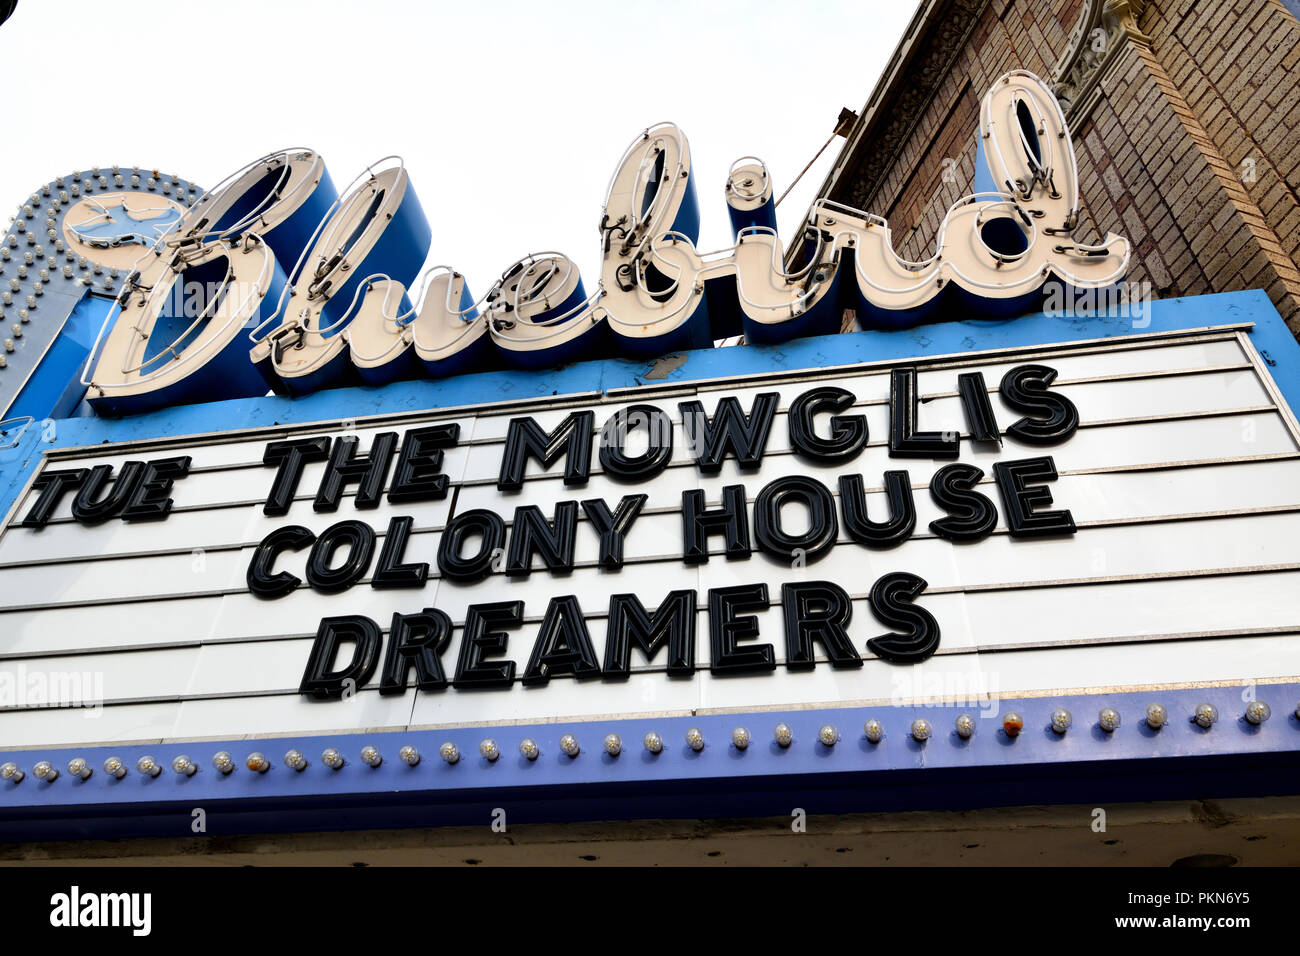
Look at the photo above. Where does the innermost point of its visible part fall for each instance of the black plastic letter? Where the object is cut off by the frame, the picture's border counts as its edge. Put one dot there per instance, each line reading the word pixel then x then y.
pixel 390 572
pixel 891 603
pixel 88 510
pixel 904 440
pixel 359 538
pixel 416 640
pixel 878 534
pixel 613 528
pixel 971 515
pixel 1025 388
pixel 822 527
pixel 325 684
pixel 571 438
pixel 698 523
pixel 471 669
pixel 848 432
pixel 659 449
pixel 980 419
pixel 492 534
pixel 727 630
pixel 1020 496
pixel 672 625
pixel 52 485
pixel 730 429
pixel 260 579
pixel 151 500
pixel 289 458
pixel 417 476
pixel 368 471
pixel 817 611
pixel 553 541
pixel 563 644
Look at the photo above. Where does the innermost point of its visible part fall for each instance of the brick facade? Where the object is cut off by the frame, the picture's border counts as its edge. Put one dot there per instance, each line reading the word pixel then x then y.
pixel 1189 144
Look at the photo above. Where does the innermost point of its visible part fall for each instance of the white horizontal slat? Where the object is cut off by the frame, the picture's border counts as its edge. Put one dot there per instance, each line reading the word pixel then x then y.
pixel 69 726
pixel 92 678
pixel 1111 363
pixel 91 626
pixel 1160 662
pixel 289 714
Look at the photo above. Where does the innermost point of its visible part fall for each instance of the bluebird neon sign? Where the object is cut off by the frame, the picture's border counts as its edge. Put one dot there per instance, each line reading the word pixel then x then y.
pixel 305 289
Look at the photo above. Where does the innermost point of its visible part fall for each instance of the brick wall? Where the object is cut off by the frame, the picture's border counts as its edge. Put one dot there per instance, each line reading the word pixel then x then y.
pixel 1192 152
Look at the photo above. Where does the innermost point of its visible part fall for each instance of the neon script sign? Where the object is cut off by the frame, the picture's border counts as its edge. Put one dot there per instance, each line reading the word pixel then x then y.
pixel 357 305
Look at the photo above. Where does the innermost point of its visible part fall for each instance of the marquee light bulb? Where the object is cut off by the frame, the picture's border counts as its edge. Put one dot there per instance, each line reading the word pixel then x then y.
pixel 740 738
pixel 695 739
pixel 653 742
pixel 828 735
pixel 783 735
pixel 569 744
pixel 222 762
pixel 921 730
pixel 1157 716
pixel 294 760
pixel 613 744
pixel 1012 724
pixel 1108 719
pixel 11 772
pixel 1205 715
pixel 115 768
pixel 331 758
pixel 257 762
pixel 44 770
pixel 184 766
pixel 148 766
pixel 874 731
pixel 489 750
pixel 1257 712
pixel 370 756
pixel 965 726
pixel 77 767
pixel 1061 720
pixel 409 755
pixel 449 752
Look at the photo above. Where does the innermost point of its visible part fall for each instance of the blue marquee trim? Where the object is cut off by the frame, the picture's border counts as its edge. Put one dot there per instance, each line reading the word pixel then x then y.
pixel 1182 760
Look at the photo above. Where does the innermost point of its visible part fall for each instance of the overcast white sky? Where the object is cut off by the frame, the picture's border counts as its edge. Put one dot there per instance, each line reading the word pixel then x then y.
pixel 510 115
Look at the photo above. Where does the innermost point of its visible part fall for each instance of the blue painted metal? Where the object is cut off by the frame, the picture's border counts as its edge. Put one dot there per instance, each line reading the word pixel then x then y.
pixel 398 253
pixel 687 220
pixel 1182 760
pixel 293 234
pixel 54 390
pixel 44 369
pixel 764 217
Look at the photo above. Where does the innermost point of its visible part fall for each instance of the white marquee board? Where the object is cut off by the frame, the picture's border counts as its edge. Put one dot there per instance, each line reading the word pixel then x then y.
pixel 1183 479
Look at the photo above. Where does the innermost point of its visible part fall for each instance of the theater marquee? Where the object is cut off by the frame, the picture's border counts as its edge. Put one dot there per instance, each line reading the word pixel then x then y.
pixel 1010 521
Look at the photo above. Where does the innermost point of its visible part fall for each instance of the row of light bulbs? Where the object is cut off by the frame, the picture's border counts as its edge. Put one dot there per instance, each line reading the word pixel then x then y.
pixel 1156 716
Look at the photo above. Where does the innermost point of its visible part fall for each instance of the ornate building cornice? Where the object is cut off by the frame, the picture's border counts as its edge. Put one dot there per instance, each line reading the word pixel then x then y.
pixel 923 60
pixel 1103 32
